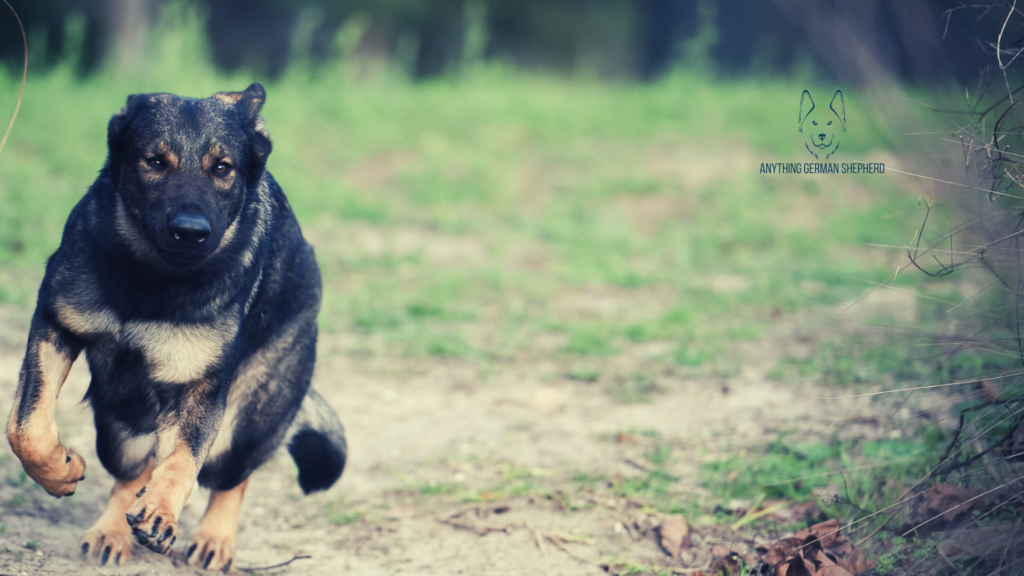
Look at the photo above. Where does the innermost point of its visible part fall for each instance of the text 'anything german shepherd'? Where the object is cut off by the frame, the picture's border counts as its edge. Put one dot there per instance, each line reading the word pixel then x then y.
pixel 184 276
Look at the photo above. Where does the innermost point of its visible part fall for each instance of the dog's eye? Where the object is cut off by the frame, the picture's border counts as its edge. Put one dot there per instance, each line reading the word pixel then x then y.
pixel 814 122
pixel 154 162
pixel 829 122
pixel 222 168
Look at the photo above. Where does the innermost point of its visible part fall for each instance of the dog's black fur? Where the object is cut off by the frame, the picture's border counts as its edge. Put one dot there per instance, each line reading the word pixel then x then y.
pixel 184 276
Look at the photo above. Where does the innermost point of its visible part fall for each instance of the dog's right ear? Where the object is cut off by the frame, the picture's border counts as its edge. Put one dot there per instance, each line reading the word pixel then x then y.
pixel 119 120
pixel 806 105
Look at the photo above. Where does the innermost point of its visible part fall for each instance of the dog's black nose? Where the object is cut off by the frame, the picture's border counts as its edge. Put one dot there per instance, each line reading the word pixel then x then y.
pixel 822 136
pixel 189 230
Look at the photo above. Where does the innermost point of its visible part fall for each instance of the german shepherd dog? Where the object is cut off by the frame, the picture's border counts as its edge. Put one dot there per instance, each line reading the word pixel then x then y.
pixel 825 128
pixel 183 275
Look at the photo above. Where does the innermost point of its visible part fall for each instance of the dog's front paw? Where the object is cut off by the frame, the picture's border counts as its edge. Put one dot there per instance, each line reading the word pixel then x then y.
pixel 154 522
pixel 57 469
pixel 107 544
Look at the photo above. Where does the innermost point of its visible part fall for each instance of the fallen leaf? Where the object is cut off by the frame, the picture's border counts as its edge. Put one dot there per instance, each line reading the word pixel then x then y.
pixel 795 566
pixel 675 535
pixel 783 549
pixel 833 570
pixel 857 563
pixel 826 532
pixel 793 512
pixel 727 563
pixel 977 541
pixel 945 500
pixel 989 390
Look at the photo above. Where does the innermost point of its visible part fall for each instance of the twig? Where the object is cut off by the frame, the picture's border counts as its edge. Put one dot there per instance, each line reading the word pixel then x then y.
pixel 294 558
pixel 24 76
pixel 638 466
pixel 557 541
pixel 537 538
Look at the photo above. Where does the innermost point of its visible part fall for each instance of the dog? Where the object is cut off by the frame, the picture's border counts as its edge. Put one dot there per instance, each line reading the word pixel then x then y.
pixel 184 276
pixel 826 127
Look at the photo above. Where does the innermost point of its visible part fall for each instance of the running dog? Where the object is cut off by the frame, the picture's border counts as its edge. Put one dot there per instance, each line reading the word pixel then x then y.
pixel 183 275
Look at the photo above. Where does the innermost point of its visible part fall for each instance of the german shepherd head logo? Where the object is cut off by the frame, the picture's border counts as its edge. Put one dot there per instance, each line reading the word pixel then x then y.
pixel 822 128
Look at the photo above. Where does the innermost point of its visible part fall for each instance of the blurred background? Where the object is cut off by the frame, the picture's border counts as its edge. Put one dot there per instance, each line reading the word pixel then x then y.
pixel 917 41
pixel 553 270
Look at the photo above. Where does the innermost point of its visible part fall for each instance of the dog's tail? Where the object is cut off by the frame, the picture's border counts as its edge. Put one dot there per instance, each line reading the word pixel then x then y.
pixel 316 441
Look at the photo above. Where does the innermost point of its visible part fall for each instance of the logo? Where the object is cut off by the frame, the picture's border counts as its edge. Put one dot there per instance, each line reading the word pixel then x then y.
pixel 822 128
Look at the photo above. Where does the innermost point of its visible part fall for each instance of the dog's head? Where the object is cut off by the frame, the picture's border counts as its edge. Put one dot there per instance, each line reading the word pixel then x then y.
pixel 181 167
pixel 822 127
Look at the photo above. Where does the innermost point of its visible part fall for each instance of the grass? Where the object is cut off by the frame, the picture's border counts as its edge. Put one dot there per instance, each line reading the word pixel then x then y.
pixel 502 216
pixel 467 217
pixel 844 477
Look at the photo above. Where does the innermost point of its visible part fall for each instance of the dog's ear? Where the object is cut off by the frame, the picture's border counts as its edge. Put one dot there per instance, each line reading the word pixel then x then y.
pixel 838 106
pixel 120 120
pixel 806 105
pixel 248 104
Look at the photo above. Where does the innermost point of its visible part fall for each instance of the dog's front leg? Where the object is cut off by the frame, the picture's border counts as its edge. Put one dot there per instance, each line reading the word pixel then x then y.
pixel 183 441
pixel 31 427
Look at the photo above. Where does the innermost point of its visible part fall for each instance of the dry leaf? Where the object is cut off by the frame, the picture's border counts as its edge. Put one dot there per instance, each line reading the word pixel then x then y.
pixel 857 563
pixel 727 564
pixel 796 566
pixel 826 532
pixel 833 570
pixel 946 500
pixel 675 535
pixel 816 551
pixel 989 390
pixel 719 551
pixel 978 541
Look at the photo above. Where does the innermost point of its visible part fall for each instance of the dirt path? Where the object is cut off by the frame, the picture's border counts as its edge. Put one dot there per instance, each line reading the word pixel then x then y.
pixel 418 428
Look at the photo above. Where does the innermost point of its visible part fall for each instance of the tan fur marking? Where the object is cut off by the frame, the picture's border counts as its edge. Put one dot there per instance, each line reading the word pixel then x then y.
pixel 229 97
pixel 252 374
pixel 36 441
pixel 135 448
pixel 178 353
pixel 163 150
pixel 215 154
pixel 110 530
pixel 135 240
pixel 215 537
pixel 175 473
pixel 101 322
pixel 166 492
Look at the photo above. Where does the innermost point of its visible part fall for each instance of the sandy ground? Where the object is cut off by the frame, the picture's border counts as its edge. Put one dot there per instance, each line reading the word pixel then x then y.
pixel 414 422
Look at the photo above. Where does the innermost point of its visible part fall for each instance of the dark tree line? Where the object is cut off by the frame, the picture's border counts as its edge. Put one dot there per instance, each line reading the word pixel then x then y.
pixel 853 42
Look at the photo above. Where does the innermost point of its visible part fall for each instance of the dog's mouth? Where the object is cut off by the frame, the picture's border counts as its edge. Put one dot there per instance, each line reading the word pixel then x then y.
pixel 819 141
pixel 181 259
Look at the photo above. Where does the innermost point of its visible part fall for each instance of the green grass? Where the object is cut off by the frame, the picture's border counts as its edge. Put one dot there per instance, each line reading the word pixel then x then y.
pixel 863 474
pixel 501 215
pixel 451 216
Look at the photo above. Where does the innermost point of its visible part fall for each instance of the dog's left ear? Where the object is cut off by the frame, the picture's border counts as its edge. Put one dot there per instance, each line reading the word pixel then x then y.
pixel 806 105
pixel 249 104
pixel 838 106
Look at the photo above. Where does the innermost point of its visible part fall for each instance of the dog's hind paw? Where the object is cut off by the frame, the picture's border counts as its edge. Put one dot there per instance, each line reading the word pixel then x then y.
pixel 106 545
pixel 211 552
pixel 153 523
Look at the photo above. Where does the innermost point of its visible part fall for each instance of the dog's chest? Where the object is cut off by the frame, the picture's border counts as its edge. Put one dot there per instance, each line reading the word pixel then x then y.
pixel 174 352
